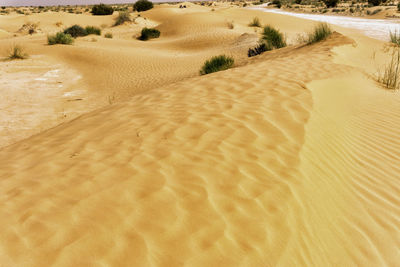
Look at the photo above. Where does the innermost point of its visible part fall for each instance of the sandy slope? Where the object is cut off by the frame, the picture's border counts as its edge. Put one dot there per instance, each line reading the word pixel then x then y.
pixel 291 159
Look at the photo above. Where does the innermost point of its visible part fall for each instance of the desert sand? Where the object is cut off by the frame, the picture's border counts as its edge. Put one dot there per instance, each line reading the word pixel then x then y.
pixel 289 159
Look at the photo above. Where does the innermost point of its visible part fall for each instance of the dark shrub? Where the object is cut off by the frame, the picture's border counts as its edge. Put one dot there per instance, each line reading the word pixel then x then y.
pixel 122 17
pixel 330 3
pixel 297 2
pixel 374 2
pixel 75 31
pixel 60 38
pixel 277 3
pixel 92 30
pixel 149 34
pixel 217 63
pixel 259 49
pixel 142 5
pixel 273 38
pixel 17 52
pixel 102 10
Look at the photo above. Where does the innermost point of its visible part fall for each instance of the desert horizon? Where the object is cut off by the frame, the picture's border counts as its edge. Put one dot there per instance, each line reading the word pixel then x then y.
pixel 200 134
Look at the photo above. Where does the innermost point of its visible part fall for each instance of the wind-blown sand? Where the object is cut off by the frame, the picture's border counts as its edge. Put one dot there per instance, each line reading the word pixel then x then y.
pixel 290 159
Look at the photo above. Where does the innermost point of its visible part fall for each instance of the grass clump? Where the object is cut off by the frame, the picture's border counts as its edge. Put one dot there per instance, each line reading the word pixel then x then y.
pixel 108 35
pixel 217 63
pixel 273 38
pixel 142 5
pixel 92 30
pixel 390 77
pixel 320 32
pixel 122 18
pixel 149 33
pixel 17 52
pixel 102 10
pixel 395 38
pixel 255 22
pixel 60 38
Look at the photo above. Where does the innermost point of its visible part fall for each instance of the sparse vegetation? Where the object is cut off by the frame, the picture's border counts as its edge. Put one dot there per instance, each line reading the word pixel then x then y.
pixel 390 76
pixel 395 38
pixel 142 5
pixel 149 33
pixel 320 32
pixel 108 35
pixel 255 22
pixel 217 63
pixel 102 10
pixel 230 24
pixel 92 30
pixel 60 38
pixel 17 52
pixel 273 38
pixel 122 18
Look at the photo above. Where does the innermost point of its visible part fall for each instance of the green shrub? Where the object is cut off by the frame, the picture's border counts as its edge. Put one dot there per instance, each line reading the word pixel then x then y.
pixel 92 30
pixel 273 38
pixel 217 63
pixel 108 35
pixel 297 2
pixel 259 49
pixel 142 5
pixel 76 31
pixel 17 52
pixel 320 32
pixel 398 6
pixel 330 3
pixel 255 23
pixel 60 38
pixel 148 33
pixel 102 10
pixel 122 18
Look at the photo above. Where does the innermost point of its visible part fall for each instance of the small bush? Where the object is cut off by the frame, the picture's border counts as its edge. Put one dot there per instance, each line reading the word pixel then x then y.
pixel 277 3
pixel 255 23
pixel 17 52
pixel 217 63
pixel 148 33
pixel 142 5
pixel 75 31
pixel 297 2
pixel 390 78
pixel 374 2
pixel 102 10
pixel 398 7
pixel 259 49
pixel 122 18
pixel 273 38
pixel 60 38
pixel 92 30
pixel 230 25
pixel 395 38
pixel 108 35
pixel 320 32
pixel 330 3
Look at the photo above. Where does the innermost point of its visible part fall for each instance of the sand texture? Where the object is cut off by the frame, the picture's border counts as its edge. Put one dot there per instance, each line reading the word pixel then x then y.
pixel 289 159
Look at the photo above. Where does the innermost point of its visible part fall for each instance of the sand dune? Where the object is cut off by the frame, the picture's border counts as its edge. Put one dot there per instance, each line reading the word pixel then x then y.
pixel 289 159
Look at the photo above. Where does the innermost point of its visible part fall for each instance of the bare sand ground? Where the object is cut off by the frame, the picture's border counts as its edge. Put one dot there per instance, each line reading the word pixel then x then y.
pixel 290 159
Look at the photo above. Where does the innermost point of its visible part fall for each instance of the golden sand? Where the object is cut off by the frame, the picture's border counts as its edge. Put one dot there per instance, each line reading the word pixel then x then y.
pixel 289 159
